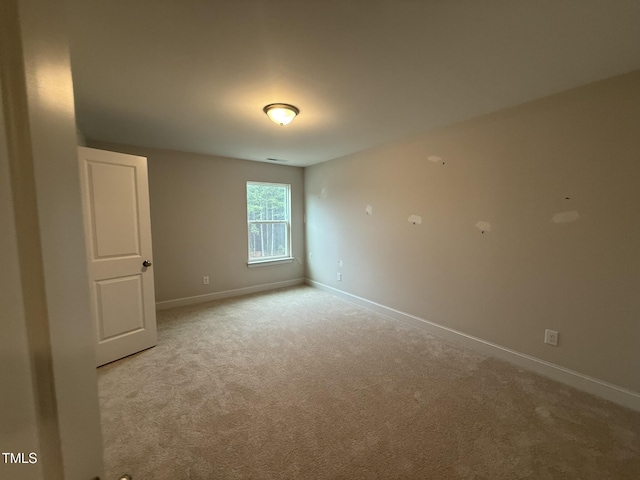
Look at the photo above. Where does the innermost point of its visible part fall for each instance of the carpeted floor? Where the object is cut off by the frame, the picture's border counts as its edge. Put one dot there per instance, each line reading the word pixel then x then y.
pixel 300 384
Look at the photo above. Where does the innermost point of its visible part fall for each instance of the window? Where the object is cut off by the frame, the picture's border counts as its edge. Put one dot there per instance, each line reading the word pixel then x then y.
pixel 269 221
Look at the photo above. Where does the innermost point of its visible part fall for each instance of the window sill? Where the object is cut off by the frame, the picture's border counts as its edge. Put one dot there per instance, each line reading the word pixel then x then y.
pixel 275 261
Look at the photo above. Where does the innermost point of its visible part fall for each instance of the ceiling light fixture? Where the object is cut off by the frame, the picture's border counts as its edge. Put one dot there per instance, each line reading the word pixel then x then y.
pixel 281 113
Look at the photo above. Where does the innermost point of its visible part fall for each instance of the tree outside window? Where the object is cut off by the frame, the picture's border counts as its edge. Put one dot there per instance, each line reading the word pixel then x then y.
pixel 268 219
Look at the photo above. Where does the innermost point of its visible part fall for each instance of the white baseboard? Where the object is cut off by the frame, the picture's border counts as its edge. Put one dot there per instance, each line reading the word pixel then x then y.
pixel 208 297
pixel 613 393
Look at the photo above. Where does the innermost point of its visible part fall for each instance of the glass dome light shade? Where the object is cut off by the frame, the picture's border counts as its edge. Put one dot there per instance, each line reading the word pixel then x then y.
pixel 281 113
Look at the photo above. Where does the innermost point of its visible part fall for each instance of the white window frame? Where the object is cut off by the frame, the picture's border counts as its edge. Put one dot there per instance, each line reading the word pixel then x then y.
pixel 287 256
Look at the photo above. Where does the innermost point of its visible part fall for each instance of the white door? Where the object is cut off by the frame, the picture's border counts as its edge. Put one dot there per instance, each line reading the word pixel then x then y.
pixel 115 198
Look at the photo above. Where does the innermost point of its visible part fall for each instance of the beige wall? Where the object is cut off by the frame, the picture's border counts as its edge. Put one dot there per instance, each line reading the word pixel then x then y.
pixel 512 169
pixel 82 142
pixel 18 403
pixel 199 221
pixel 49 399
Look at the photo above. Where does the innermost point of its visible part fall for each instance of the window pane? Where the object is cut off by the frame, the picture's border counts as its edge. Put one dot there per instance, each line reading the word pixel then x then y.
pixel 267 240
pixel 267 202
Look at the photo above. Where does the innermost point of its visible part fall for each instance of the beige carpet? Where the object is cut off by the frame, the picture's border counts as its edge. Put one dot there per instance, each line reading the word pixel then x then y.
pixel 300 384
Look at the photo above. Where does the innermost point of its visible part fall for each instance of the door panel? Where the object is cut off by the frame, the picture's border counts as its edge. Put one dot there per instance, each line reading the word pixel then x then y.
pixel 118 228
pixel 114 209
pixel 120 310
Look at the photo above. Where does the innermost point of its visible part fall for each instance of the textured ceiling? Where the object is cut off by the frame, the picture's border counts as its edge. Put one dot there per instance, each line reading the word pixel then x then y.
pixel 193 75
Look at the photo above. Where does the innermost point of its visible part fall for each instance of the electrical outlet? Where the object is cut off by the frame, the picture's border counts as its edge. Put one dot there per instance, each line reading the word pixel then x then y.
pixel 205 280
pixel 339 276
pixel 551 337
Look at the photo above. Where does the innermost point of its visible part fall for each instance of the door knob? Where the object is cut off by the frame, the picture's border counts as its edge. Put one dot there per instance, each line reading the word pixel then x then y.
pixel 146 263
